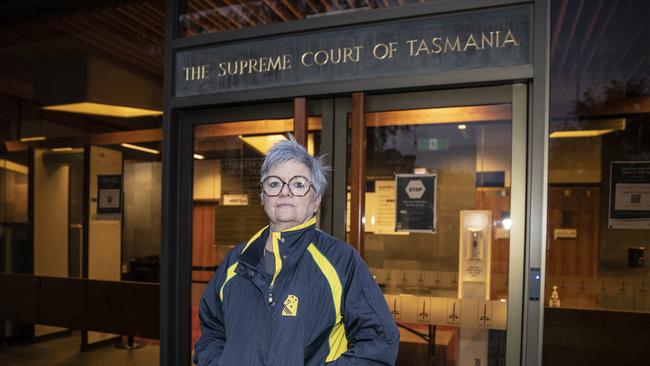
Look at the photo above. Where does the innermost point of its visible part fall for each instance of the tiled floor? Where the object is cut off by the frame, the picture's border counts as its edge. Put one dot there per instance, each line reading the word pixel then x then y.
pixel 65 351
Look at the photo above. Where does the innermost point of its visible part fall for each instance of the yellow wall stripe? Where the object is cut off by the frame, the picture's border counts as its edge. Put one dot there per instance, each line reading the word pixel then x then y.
pixel 337 339
pixel 230 273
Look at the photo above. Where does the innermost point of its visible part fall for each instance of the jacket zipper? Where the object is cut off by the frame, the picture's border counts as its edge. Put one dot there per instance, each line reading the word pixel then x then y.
pixel 276 252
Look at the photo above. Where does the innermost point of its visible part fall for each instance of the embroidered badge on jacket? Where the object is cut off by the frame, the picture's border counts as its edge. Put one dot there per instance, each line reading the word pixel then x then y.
pixel 290 307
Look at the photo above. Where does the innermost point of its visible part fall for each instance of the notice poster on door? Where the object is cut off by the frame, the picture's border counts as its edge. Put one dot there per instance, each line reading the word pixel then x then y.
pixel 385 208
pixel 109 196
pixel 629 195
pixel 415 202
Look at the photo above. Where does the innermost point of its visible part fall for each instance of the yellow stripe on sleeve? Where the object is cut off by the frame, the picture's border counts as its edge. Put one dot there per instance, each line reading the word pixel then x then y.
pixel 337 340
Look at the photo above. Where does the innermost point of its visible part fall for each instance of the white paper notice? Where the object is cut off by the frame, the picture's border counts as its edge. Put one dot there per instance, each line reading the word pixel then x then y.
pixel 632 197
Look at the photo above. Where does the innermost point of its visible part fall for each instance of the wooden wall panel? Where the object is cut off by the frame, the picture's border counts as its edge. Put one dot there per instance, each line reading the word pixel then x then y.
pixel 204 253
pixel 497 200
pixel 594 337
pixel 573 208
pixel 123 308
pixel 62 302
pixel 118 307
pixel 20 297
pixel 358 172
pixel 300 120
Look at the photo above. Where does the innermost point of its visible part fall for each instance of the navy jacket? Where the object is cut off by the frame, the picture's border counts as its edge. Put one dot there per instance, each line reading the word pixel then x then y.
pixel 321 307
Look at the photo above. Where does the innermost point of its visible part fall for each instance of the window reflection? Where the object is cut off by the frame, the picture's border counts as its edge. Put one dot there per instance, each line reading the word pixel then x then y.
pixel 469 150
pixel 208 17
pixel 599 147
pixel 599 125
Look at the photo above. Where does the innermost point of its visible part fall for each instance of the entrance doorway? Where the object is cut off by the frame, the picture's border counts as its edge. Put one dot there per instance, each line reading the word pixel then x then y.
pixel 453 281
pixel 450 262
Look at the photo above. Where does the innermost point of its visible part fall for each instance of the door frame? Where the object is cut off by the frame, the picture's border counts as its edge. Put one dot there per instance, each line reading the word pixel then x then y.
pixel 334 139
pixel 176 254
pixel 177 143
pixel 516 95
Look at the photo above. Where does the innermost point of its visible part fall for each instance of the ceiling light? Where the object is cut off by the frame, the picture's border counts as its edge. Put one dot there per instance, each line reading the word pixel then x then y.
pixel 32 139
pixel 61 149
pixel 101 109
pixel 462 127
pixel 140 148
pixel 14 167
pixel 96 86
pixel 591 128
pixel 262 143
pixel 579 133
pixel 199 157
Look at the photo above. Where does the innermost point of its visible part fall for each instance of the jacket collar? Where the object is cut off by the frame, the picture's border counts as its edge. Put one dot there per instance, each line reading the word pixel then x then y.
pixel 292 243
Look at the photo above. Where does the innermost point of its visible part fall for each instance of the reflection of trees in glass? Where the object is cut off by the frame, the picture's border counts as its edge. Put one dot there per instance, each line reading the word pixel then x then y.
pixel 383 157
pixel 600 105
pixel 593 101
pixel 383 134
pixel 615 100
pixel 204 17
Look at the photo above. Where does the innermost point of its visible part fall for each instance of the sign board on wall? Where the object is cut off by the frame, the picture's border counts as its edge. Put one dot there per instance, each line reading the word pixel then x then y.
pixel 453 42
pixel 629 195
pixel 415 202
pixel 109 195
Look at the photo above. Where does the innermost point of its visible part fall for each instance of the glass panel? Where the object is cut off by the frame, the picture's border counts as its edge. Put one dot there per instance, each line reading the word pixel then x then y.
pixel 15 251
pixel 58 212
pixel 110 56
pixel 599 184
pixel 141 228
pixel 227 206
pixel 208 17
pixel 444 270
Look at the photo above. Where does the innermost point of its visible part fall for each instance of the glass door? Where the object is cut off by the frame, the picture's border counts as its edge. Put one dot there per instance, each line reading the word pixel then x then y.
pixel 230 145
pixel 444 220
pixel 444 208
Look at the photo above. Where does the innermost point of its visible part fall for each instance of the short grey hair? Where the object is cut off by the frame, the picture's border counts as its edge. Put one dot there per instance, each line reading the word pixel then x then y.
pixel 289 150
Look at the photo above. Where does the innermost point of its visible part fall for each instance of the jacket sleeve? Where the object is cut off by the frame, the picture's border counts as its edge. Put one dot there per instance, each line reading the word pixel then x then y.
pixel 373 337
pixel 208 348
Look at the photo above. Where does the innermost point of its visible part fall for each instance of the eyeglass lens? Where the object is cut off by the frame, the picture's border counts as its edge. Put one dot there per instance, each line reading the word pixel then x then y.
pixel 298 186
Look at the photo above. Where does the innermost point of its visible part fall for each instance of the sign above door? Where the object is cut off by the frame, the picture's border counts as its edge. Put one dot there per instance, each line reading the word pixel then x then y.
pixel 441 43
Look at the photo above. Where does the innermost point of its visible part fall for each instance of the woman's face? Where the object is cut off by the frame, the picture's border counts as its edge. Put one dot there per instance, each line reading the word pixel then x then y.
pixel 287 210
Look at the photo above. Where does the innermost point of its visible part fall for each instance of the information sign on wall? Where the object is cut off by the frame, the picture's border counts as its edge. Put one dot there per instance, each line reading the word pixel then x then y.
pixel 415 202
pixel 629 197
pixel 109 193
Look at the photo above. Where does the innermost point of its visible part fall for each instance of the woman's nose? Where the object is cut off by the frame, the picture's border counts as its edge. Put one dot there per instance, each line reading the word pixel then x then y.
pixel 285 192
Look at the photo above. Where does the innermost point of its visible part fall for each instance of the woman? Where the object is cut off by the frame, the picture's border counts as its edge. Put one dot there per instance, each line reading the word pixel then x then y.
pixel 292 294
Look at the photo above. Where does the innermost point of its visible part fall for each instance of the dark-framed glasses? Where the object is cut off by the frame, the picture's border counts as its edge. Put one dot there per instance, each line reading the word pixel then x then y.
pixel 298 185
